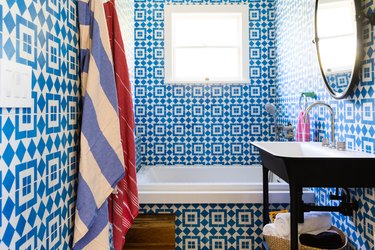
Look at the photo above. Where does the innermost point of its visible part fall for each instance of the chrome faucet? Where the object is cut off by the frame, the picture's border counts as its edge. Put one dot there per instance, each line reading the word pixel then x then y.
pixel 319 103
pixel 281 131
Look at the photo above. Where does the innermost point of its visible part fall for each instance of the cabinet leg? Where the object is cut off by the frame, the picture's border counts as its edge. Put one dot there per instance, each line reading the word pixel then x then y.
pixel 266 219
pixel 295 215
pixel 301 217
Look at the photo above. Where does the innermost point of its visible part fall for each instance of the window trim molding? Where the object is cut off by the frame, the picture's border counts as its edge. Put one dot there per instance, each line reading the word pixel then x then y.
pixel 192 8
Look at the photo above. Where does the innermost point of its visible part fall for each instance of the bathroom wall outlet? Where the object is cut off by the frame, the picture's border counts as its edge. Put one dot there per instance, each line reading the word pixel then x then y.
pixel 15 85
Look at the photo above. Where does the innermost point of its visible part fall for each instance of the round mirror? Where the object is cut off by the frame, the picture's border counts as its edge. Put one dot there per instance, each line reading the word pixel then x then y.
pixel 337 40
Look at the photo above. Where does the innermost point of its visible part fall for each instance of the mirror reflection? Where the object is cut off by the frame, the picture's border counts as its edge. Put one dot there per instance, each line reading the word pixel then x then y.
pixel 336 31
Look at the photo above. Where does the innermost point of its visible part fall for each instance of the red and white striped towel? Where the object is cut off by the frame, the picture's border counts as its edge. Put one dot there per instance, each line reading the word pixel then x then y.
pixel 123 206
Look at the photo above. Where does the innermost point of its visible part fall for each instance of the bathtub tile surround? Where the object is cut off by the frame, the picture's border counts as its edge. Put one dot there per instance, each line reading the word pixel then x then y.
pixel 202 123
pixel 215 226
pixel 38 145
pixel 298 71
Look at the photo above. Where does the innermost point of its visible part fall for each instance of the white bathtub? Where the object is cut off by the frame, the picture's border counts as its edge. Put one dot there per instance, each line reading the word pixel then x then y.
pixel 208 184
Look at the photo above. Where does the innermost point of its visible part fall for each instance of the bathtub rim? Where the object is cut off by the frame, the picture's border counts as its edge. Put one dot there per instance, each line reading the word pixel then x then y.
pixel 162 193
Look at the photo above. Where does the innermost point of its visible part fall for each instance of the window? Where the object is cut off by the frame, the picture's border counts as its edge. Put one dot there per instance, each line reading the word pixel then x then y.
pixel 337 33
pixel 206 44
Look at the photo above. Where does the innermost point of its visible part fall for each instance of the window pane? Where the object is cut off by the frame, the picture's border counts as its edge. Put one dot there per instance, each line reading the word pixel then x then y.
pixel 206 29
pixel 332 18
pixel 332 56
pixel 214 63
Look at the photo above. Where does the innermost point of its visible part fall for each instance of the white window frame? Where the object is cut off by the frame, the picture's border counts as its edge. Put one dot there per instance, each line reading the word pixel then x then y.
pixel 244 63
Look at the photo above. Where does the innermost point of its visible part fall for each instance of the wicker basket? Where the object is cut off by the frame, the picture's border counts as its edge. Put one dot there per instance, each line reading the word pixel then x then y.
pixel 276 243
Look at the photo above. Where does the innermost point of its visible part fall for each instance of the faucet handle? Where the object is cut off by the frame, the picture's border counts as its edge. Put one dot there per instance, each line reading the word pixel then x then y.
pixel 325 142
pixel 341 146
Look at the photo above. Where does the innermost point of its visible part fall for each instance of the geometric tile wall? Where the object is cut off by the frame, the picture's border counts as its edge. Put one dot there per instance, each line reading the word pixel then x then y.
pixel 38 145
pixel 215 226
pixel 201 123
pixel 297 71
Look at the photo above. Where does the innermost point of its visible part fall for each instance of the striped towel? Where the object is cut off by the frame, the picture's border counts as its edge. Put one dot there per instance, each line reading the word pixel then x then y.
pixel 303 129
pixel 123 206
pixel 101 157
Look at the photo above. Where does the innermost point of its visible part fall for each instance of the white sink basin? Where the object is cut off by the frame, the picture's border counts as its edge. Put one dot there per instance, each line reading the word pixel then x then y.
pixel 311 165
pixel 307 150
